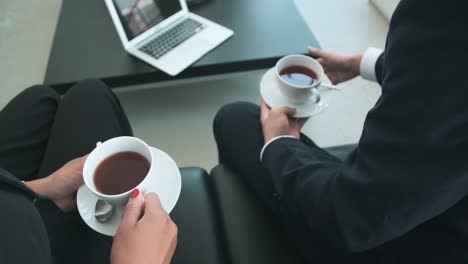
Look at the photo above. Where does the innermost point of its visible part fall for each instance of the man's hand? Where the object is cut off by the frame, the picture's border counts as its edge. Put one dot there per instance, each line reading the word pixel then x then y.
pixel 280 122
pixel 62 185
pixel 146 234
pixel 338 68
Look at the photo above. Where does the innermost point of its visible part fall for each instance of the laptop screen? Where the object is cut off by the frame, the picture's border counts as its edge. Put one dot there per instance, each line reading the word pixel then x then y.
pixel 137 16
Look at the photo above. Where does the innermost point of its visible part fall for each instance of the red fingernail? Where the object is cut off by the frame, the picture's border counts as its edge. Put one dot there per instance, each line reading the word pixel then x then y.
pixel 135 193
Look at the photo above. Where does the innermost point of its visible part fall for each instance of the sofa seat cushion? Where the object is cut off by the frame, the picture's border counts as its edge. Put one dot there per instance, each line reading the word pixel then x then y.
pixel 343 151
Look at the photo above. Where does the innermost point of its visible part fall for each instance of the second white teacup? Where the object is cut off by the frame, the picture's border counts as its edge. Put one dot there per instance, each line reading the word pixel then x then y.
pixel 300 93
pixel 107 149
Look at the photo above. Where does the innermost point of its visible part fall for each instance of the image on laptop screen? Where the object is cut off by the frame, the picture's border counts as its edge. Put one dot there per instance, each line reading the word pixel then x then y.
pixel 137 16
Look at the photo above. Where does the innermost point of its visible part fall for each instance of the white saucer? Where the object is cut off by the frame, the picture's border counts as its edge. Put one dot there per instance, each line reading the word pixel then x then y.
pixel 166 184
pixel 269 90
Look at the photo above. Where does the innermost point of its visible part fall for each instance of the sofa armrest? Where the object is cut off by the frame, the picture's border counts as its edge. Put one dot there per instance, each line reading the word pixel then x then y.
pixel 200 238
pixel 252 233
pixel 253 236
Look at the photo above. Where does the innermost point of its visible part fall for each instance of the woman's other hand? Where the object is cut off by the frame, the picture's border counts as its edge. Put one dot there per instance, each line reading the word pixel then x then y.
pixel 62 185
pixel 146 234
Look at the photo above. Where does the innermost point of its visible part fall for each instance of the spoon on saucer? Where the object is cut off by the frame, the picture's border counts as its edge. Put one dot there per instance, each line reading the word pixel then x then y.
pixel 103 210
pixel 330 86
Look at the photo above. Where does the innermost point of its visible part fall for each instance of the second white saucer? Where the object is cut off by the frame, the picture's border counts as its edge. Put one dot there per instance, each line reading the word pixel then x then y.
pixel 269 90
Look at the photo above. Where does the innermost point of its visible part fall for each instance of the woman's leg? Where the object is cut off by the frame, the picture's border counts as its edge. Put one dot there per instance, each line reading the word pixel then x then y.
pixel 25 125
pixel 88 113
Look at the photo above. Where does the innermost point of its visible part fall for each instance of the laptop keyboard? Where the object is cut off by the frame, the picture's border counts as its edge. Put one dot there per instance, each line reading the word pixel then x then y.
pixel 172 38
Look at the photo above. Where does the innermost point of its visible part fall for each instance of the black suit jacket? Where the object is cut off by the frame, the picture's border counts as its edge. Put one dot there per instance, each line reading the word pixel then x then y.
pixel 405 186
pixel 23 234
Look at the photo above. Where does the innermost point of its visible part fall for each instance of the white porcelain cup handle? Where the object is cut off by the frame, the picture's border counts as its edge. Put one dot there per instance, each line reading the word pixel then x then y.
pixel 315 95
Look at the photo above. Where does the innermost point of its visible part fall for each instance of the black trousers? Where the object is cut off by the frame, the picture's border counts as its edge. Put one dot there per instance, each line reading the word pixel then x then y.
pixel 40 132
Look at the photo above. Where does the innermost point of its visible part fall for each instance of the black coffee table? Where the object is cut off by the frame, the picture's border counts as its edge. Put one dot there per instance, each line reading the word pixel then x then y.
pixel 86 44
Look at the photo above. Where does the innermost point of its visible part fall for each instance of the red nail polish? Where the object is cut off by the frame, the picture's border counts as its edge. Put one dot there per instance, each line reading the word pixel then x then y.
pixel 135 193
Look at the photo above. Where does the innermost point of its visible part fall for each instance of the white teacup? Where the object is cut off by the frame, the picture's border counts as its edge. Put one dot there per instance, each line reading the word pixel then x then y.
pixel 107 149
pixel 297 93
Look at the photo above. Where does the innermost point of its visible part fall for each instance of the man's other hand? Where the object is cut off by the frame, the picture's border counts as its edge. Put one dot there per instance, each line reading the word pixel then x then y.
pixel 339 68
pixel 280 122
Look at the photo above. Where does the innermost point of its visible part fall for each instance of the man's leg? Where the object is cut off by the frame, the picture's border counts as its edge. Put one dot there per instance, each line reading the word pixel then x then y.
pixel 88 113
pixel 239 136
pixel 25 124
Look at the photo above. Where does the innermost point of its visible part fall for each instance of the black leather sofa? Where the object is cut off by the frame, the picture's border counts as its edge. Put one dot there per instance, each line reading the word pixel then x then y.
pixel 221 221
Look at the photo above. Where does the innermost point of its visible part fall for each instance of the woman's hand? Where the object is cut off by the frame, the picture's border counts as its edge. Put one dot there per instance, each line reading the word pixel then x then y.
pixel 338 68
pixel 62 185
pixel 146 234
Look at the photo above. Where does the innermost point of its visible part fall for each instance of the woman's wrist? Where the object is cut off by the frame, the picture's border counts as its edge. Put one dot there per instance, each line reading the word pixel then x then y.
pixel 40 186
pixel 45 187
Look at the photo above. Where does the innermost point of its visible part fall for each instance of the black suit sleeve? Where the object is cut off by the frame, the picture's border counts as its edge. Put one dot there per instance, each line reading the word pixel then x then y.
pixel 379 68
pixel 410 165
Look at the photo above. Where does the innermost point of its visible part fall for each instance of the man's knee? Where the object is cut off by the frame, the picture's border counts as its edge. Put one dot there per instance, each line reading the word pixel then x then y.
pixel 239 112
pixel 89 88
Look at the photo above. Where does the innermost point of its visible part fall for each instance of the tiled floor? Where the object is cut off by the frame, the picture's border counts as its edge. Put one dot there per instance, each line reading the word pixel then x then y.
pixel 178 117
pixel 26 30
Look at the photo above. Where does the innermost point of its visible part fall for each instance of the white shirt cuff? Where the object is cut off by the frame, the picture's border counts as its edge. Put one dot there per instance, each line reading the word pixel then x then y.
pixel 271 141
pixel 369 59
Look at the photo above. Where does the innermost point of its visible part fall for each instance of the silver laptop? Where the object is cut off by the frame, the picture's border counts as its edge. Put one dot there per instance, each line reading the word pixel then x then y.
pixel 163 33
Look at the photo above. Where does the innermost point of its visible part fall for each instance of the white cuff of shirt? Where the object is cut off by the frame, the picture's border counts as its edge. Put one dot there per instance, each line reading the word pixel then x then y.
pixel 369 59
pixel 271 141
